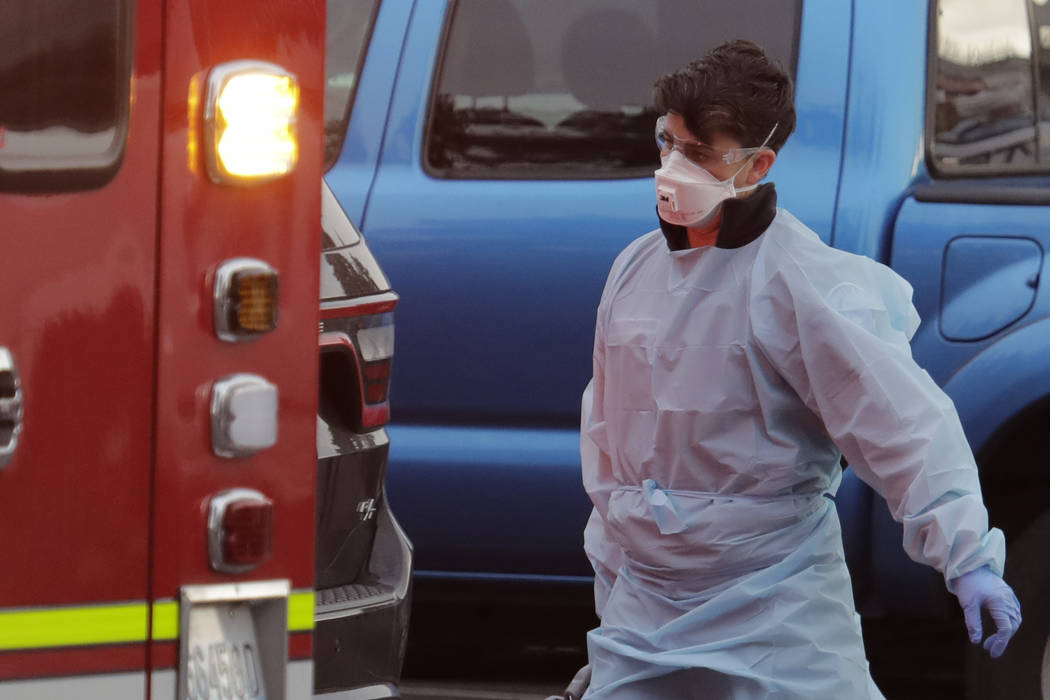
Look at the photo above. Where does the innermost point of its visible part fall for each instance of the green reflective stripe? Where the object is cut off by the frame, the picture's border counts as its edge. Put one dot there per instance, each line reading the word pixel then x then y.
pixel 165 620
pixel 73 626
pixel 115 623
pixel 301 611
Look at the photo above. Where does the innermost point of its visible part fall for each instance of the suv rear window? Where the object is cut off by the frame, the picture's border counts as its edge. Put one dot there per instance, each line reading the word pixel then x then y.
pixel 545 89
pixel 65 74
pixel 990 87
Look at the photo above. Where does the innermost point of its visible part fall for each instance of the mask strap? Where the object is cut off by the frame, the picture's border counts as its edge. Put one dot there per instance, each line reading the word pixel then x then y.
pixel 771 132
pixel 748 188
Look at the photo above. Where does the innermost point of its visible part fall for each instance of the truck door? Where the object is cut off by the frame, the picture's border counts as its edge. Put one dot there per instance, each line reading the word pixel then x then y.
pixel 517 161
pixel 79 115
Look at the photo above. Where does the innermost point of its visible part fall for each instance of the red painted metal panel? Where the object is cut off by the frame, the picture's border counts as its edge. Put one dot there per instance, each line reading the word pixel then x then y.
pixel 111 658
pixel 300 645
pixel 163 655
pixel 77 284
pixel 203 224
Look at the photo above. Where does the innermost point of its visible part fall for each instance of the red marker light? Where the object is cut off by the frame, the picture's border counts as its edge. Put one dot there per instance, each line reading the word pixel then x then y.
pixel 247 532
pixel 240 530
pixel 377 381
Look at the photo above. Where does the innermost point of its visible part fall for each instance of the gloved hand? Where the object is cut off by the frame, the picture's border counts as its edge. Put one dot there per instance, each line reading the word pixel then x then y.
pixel 981 588
pixel 577 687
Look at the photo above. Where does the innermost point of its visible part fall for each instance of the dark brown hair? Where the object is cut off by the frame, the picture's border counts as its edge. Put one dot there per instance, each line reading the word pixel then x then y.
pixel 734 89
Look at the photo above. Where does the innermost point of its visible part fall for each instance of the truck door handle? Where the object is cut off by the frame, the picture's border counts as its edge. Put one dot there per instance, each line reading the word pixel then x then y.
pixel 10 406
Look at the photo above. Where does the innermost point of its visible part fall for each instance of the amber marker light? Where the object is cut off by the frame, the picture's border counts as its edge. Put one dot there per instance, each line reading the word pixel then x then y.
pixel 250 115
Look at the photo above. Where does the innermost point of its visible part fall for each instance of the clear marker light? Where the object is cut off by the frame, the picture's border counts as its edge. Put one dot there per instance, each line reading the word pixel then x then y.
pixel 250 117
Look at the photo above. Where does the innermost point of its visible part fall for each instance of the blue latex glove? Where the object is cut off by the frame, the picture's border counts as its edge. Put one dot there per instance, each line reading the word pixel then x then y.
pixel 981 588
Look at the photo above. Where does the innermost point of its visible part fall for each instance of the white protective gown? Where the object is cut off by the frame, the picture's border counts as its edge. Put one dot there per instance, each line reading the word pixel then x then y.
pixel 725 383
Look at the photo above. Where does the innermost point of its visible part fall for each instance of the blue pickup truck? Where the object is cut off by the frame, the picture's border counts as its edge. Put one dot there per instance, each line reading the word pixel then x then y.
pixel 499 153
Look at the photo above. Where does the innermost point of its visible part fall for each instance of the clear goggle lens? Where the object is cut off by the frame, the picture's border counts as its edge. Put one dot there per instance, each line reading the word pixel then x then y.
pixel 701 153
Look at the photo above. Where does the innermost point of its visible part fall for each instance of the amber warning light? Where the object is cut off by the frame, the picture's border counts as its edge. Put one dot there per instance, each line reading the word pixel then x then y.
pixel 250 115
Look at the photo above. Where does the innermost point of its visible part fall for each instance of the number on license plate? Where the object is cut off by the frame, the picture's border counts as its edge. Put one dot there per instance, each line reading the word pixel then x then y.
pixel 224 671
pixel 223 657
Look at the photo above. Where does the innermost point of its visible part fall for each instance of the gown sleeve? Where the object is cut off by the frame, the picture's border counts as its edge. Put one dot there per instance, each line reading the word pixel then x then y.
pixel 837 330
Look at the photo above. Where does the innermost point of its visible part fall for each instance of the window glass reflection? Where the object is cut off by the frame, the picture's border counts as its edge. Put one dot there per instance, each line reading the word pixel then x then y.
pixel 984 110
pixel 1041 29
pixel 64 82
pixel 542 89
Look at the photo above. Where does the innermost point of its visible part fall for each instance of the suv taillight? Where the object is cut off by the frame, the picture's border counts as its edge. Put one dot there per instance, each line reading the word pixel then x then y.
pixel 356 358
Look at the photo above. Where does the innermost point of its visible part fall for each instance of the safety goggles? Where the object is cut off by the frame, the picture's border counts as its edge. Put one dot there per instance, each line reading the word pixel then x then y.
pixel 700 153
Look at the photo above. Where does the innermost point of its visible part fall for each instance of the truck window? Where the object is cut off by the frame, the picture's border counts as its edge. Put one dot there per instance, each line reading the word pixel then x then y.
pixel 985 91
pixel 65 75
pixel 1041 34
pixel 349 28
pixel 544 89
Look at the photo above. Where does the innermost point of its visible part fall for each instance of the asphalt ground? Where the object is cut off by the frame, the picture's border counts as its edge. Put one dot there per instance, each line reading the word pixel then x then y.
pixel 471 652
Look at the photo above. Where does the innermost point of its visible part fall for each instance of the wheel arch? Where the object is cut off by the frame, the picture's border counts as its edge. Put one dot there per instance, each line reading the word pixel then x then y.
pixel 1003 399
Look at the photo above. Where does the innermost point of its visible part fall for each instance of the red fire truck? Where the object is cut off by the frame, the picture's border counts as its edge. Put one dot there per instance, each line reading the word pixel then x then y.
pixel 160 169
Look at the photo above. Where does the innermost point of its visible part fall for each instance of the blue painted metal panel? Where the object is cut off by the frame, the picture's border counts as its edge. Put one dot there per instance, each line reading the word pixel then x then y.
pixel 883 150
pixel 1013 369
pixel 923 232
pixel 466 500
pixel 1003 379
pixel 989 283
pixel 499 282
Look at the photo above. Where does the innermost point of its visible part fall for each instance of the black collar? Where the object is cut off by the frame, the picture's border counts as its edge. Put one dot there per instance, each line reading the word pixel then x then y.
pixel 743 220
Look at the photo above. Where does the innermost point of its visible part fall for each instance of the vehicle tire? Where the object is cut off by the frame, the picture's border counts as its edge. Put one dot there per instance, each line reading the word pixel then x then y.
pixel 1023 671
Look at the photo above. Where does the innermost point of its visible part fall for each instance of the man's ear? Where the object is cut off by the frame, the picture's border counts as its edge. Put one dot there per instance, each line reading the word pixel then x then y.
pixel 761 165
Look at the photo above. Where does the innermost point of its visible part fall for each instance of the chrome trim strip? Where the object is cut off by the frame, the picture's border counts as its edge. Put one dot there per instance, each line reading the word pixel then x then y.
pixel 380 691
pixel 11 406
pixel 299 683
pixel 232 592
pixel 103 686
pixel 338 611
pixel 162 684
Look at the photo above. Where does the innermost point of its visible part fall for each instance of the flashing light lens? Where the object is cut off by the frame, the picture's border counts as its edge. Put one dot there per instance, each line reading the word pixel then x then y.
pixel 255 118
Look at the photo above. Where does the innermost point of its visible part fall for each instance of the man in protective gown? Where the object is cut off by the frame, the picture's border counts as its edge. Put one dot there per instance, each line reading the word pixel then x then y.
pixel 736 359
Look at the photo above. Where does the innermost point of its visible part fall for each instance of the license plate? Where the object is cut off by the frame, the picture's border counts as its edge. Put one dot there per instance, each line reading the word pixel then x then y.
pixel 224 662
pixel 233 641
